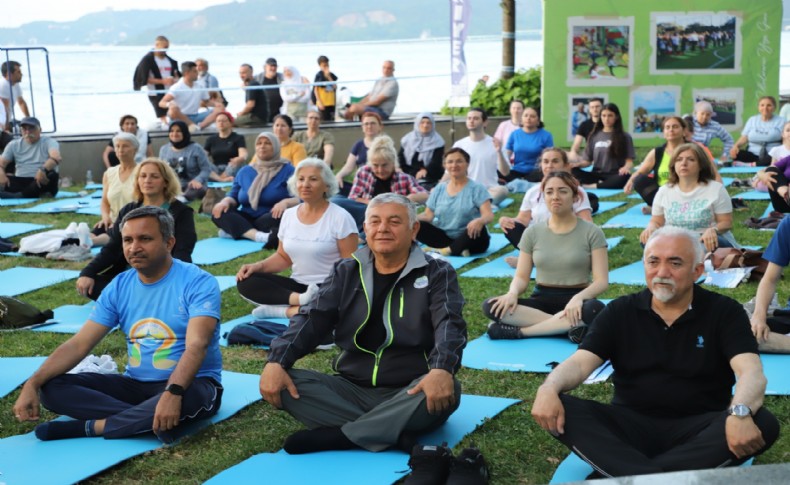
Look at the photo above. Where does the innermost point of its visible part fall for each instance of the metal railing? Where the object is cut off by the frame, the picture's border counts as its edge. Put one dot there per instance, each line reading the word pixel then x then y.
pixel 11 112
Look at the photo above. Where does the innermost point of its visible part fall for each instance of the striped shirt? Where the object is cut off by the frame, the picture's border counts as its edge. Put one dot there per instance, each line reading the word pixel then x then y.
pixel 706 134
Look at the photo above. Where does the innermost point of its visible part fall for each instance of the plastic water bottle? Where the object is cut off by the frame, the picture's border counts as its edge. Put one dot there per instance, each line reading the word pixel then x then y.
pixel 89 177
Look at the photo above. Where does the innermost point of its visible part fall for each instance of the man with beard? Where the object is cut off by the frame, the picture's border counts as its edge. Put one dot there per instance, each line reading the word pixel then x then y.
pixel 676 350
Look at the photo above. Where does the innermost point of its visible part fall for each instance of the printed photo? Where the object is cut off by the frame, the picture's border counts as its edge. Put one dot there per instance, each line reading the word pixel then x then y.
pixel 649 106
pixel 700 42
pixel 577 111
pixel 727 105
pixel 599 51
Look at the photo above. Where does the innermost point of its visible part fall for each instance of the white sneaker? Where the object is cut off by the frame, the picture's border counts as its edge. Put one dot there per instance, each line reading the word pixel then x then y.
pixel 72 228
pixel 224 234
pixel 262 237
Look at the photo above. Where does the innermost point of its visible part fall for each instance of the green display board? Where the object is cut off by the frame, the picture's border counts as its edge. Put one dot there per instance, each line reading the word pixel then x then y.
pixel 654 59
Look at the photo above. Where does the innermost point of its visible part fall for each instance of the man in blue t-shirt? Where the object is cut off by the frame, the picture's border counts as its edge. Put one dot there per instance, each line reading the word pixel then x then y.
pixel 773 333
pixel 169 312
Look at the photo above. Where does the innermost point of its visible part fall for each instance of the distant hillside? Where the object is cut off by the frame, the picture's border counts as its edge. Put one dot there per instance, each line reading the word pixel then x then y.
pixel 272 22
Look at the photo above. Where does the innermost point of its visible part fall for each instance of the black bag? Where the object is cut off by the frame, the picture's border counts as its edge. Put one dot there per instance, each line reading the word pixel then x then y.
pixel 257 332
pixel 16 313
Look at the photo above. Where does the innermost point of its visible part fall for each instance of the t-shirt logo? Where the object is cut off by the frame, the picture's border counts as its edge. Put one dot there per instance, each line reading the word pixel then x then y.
pixel 700 342
pixel 151 338
pixel 421 282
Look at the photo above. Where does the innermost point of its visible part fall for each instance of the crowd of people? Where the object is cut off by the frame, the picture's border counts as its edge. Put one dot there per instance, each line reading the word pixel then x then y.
pixel 369 274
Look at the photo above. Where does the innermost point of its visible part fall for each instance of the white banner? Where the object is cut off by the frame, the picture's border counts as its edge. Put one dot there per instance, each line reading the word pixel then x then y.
pixel 460 14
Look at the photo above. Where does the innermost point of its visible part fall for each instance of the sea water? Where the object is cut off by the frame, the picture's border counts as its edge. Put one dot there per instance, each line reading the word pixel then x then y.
pixel 92 85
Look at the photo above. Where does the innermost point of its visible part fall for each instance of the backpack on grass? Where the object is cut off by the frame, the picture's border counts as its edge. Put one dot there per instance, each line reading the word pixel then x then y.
pixel 17 314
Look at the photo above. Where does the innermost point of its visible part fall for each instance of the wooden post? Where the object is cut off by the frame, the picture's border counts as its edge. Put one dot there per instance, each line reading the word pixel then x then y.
pixel 508 38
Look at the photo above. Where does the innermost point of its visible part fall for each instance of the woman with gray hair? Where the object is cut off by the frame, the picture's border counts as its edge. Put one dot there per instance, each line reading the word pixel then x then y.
pixel 313 236
pixel 117 186
pixel 258 197
pixel 380 175
pixel 128 124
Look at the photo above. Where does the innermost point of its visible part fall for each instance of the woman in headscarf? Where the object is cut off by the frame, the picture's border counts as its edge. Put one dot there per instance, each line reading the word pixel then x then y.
pixel 259 196
pixel 188 160
pixel 421 151
pixel 295 91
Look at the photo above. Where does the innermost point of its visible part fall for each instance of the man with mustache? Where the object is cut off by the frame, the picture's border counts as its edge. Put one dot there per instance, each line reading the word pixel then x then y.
pixel 676 350
pixel 35 161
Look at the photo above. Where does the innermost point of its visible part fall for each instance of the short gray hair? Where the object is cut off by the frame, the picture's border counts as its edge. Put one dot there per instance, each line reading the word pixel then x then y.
pixel 167 225
pixel 674 231
pixel 393 198
pixel 326 174
pixel 703 106
pixel 126 137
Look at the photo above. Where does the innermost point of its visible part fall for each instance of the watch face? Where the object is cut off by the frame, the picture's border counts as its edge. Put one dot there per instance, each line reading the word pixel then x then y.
pixel 741 410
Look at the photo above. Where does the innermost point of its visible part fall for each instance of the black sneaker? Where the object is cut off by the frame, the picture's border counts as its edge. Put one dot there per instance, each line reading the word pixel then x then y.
pixel 469 468
pixel 503 331
pixel 591 309
pixel 576 334
pixel 429 465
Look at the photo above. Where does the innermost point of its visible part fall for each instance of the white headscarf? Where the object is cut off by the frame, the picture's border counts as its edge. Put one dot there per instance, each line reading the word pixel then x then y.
pixel 422 144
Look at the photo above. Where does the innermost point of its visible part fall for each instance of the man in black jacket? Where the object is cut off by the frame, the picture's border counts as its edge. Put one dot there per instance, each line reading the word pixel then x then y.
pixel 396 317
pixel 157 70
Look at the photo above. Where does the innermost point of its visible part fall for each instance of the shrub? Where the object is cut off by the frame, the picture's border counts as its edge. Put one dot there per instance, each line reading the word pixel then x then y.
pixel 524 85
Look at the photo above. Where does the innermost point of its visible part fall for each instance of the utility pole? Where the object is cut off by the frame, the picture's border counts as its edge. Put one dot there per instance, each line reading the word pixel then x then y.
pixel 508 38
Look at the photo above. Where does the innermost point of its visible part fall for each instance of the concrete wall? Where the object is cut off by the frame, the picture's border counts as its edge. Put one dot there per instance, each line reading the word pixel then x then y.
pixel 81 153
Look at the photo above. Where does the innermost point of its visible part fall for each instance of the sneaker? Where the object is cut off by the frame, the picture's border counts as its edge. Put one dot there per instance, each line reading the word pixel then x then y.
pixel 576 334
pixel 503 331
pixel 469 468
pixel 224 234
pixel 429 465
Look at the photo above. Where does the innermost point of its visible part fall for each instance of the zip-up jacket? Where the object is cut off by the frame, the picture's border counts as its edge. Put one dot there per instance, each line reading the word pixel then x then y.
pixel 422 317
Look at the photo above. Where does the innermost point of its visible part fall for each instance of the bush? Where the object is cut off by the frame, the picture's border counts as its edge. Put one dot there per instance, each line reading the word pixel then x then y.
pixel 524 85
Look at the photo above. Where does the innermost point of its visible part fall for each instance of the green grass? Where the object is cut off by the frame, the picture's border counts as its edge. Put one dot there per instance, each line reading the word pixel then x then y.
pixel 711 58
pixel 517 450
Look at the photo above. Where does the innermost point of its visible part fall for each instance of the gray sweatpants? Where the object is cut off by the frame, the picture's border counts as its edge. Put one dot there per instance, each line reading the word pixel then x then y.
pixel 371 417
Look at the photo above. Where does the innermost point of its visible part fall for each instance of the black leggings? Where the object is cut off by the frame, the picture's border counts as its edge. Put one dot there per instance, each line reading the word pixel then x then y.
pixel 437 238
pixel 646 187
pixel 27 187
pixel 236 223
pixel 546 299
pixel 604 180
pixel 779 202
pixel 533 176
pixel 269 289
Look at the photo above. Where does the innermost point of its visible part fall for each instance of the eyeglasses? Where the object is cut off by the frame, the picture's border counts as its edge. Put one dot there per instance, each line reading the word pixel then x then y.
pixel 370 123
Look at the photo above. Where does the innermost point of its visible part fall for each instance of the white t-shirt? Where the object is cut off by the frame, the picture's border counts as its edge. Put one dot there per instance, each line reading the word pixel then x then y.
pixel 695 210
pixel 165 69
pixel 187 98
pixel 535 203
pixel 313 247
pixel 778 152
pixel 483 160
pixel 5 89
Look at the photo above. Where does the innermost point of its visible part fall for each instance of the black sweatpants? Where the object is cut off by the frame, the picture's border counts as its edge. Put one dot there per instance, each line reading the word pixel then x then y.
pixel 617 441
pixel 236 223
pixel 646 187
pixel 269 289
pixel 604 180
pixel 434 237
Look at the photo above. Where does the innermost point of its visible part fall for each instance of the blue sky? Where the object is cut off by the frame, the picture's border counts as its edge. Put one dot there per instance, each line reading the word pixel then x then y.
pixel 65 10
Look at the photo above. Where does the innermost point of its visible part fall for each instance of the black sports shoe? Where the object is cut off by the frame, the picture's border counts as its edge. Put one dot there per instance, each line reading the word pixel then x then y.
pixel 503 331
pixel 469 468
pixel 576 334
pixel 591 309
pixel 429 465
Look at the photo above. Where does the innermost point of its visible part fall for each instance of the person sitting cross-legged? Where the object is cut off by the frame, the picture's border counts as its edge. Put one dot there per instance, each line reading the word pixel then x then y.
pixel 396 314
pixel 676 349
pixel 169 313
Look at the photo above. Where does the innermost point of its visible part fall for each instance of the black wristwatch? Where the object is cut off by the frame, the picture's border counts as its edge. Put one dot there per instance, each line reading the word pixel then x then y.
pixel 739 411
pixel 177 390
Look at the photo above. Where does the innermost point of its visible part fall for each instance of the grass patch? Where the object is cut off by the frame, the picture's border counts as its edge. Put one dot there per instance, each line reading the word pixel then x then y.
pixel 517 450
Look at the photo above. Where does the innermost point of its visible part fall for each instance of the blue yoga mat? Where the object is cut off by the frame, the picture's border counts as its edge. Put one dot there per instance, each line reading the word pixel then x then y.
pixel 226 327
pixel 15 281
pixel 739 169
pixel 574 469
pixel 775 367
pixel 498 268
pixel 219 250
pixel 498 242
pixel 67 319
pixel 726 181
pixel 11 229
pixel 752 195
pixel 94 210
pixel 604 193
pixel 632 274
pixel 219 185
pixel 62 194
pixel 74 460
pixel 505 203
pixel 63 205
pixel 226 282
pixel 14 371
pixel 631 218
pixel 358 466
pixel 524 355
pixel 607 206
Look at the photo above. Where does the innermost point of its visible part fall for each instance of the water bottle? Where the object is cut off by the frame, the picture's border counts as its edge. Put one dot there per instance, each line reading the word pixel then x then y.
pixel 89 177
